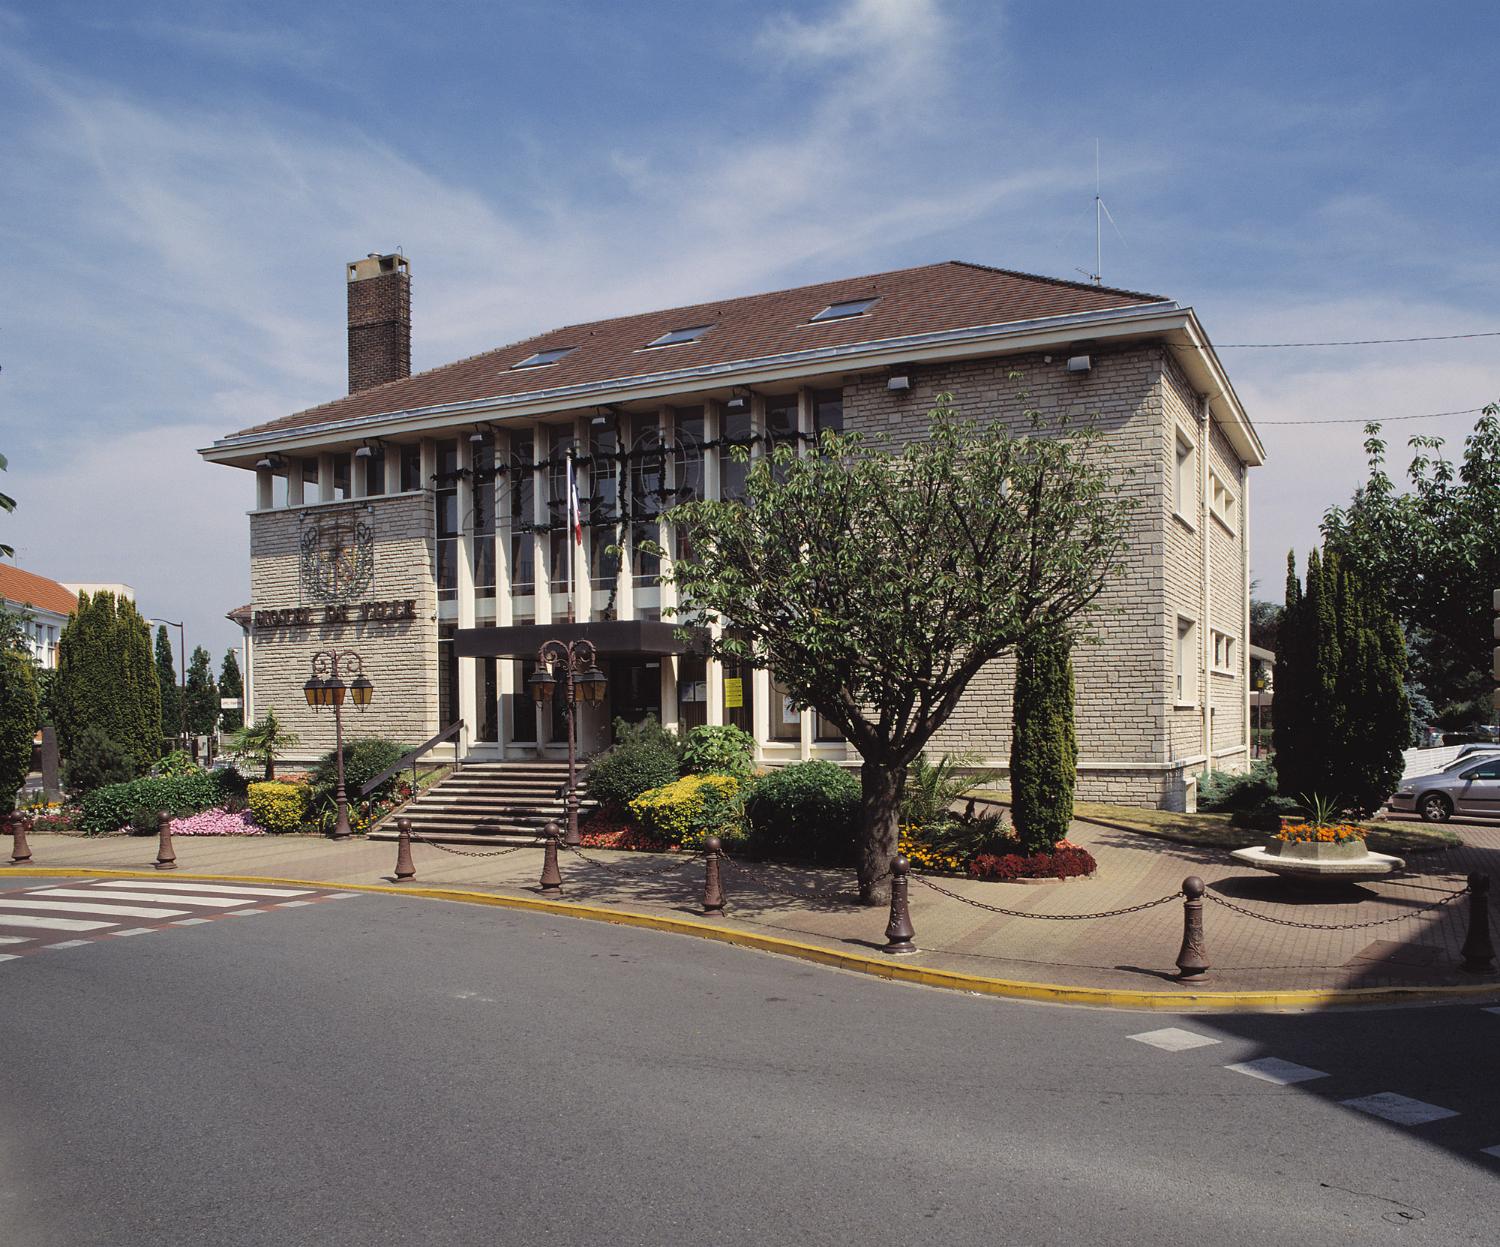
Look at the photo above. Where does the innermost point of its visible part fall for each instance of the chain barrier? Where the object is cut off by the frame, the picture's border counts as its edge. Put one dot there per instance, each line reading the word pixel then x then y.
pixel 418 838
pixel 1022 913
pixel 677 863
pixel 1420 912
pixel 839 892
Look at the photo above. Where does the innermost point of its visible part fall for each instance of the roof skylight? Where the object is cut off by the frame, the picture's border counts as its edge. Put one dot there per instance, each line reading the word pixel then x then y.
pixel 542 358
pixel 849 307
pixel 681 335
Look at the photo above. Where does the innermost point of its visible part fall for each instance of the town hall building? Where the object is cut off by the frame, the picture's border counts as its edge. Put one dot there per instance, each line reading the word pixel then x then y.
pixel 424 520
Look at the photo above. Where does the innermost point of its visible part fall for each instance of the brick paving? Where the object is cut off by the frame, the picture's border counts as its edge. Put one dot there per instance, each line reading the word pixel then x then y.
pixel 1133 952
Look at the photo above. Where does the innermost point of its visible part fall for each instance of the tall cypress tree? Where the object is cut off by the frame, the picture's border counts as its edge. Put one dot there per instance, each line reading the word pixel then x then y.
pixel 202 703
pixel 1043 742
pixel 166 682
pixel 230 685
pixel 1341 711
pixel 106 678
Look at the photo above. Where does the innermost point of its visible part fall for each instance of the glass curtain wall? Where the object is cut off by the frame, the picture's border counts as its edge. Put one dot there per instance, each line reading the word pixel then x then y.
pixel 604 506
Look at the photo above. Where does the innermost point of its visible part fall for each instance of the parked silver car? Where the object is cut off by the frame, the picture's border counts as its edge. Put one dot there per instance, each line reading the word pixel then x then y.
pixel 1467 787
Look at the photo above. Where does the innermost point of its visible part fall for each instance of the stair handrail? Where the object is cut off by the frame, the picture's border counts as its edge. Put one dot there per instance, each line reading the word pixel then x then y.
pixel 411 758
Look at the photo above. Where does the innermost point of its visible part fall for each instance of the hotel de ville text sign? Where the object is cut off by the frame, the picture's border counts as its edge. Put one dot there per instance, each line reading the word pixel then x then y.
pixel 334 615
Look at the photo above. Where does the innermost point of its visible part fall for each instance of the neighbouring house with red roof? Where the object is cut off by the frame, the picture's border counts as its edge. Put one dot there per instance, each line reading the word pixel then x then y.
pixel 422 519
pixel 44 606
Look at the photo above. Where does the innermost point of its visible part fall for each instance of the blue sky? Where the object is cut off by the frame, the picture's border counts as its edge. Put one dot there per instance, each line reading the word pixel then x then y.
pixel 185 180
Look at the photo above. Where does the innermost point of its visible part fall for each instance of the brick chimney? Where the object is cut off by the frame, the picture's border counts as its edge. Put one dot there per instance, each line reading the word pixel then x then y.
pixel 379 320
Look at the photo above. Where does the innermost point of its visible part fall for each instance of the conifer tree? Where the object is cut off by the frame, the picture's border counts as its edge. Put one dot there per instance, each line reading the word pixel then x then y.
pixel 1044 741
pixel 230 686
pixel 18 719
pixel 166 680
pixel 106 678
pixel 202 698
pixel 1341 712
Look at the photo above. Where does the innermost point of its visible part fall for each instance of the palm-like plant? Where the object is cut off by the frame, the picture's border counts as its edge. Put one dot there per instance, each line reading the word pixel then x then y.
pixel 262 743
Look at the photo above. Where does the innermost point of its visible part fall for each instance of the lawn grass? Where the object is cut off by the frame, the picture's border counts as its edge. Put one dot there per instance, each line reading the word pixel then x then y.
pixel 1214 831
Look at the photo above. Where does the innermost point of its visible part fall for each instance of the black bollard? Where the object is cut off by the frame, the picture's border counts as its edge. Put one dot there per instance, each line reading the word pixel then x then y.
pixel 1478 951
pixel 898 932
pixel 1192 958
pixel 551 876
pixel 404 868
pixel 713 888
pixel 166 856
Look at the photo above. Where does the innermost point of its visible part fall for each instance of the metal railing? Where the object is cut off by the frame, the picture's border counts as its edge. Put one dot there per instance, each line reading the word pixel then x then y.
pixel 411 759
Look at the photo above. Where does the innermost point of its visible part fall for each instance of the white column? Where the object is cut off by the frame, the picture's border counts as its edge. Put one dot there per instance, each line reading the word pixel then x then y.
pixel 359 477
pixel 428 464
pixel 625 597
pixel 325 478
pixel 265 487
pixel 468 702
pixel 541 485
pixel 505 673
pixel 713 429
pixel 392 468
pixel 294 492
pixel 583 596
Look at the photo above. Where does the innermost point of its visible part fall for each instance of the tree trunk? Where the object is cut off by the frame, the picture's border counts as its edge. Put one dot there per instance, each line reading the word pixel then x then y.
pixel 880 805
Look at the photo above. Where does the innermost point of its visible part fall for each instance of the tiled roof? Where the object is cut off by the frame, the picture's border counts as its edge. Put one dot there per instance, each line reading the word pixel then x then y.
pixel 933 298
pixel 25 588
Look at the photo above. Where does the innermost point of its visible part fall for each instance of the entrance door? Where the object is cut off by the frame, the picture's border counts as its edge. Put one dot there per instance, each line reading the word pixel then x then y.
pixel 634 688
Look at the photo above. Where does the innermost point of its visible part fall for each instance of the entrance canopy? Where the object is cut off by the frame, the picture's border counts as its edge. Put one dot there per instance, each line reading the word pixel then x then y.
pixel 609 636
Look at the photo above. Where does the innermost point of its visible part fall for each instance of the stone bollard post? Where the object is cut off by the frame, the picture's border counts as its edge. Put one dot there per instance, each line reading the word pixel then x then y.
pixel 1478 951
pixel 713 889
pixel 1192 958
pixel 551 876
pixel 404 868
pixel 166 856
pixel 20 852
pixel 898 932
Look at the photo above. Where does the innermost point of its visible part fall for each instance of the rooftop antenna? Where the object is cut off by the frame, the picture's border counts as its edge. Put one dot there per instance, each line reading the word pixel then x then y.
pixel 1101 210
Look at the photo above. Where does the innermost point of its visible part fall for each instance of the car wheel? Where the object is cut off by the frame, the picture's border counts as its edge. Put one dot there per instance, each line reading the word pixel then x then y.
pixel 1435 808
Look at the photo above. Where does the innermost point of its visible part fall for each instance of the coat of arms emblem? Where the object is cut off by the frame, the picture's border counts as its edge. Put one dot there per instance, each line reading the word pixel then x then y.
pixel 338 558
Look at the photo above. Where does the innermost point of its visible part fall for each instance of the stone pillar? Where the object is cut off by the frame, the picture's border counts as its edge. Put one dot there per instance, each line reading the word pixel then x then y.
pixel 294 490
pixel 392 469
pixel 325 478
pixel 265 489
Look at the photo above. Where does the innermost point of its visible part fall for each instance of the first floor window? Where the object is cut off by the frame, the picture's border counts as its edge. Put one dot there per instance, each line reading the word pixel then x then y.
pixel 1185 666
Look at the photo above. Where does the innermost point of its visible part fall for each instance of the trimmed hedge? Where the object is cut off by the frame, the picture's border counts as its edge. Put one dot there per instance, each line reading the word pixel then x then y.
pixel 689 810
pixel 278 807
pixel 808 811
pixel 115 805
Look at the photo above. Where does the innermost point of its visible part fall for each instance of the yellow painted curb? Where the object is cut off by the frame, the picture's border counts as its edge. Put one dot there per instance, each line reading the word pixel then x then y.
pixel 884 967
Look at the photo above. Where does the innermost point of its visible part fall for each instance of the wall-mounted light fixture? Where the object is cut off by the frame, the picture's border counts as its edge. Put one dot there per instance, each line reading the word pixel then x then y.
pixel 1080 363
pixel 270 463
pixel 898 383
pixel 476 438
pixel 739 400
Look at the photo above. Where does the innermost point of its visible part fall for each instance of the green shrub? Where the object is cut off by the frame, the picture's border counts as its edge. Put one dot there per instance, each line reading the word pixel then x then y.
pixel 689 810
pixel 1266 815
pixel 645 756
pixel 115 805
pixel 363 761
pixel 178 762
pixel 18 722
pixel 808 811
pixel 726 750
pixel 1221 792
pixel 280 808
pixel 97 762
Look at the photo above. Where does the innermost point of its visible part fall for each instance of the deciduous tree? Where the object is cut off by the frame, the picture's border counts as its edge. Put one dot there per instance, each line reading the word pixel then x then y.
pixel 876 581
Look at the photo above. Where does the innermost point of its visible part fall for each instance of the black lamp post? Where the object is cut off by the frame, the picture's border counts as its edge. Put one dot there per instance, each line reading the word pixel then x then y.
pixel 326 688
pixel 581 681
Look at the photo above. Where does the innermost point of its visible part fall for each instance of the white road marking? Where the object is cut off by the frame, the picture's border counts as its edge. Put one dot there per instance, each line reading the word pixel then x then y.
pixel 206 887
pixel 77 907
pixel 245 913
pixel 9 957
pixel 293 904
pixel 137 931
pixel 1493 1009
pixel 1174 1039
pixel 15 939
pixel 69 944
pixel 158 898
pixel 1492 1151
pixel 1274 1069
pixel 191 922
pixel 341 896
pixel 1402 1110
pixel 52 924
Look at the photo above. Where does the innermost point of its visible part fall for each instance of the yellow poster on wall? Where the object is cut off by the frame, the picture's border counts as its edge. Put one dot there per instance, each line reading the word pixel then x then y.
pixel 734 693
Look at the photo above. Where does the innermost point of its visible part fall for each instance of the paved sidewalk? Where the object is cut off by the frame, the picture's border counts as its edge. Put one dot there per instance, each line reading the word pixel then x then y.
pixel 1132 952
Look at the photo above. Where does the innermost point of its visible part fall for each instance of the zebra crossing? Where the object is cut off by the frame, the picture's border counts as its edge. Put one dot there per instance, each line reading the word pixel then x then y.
pixel 76 913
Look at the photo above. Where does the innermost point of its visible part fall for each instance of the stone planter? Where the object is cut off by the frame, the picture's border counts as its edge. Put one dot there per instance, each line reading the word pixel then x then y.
pixel 1320 861
pixel 1318 850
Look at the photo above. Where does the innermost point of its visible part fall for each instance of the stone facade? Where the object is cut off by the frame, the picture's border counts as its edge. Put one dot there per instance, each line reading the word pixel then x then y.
pixel 398 653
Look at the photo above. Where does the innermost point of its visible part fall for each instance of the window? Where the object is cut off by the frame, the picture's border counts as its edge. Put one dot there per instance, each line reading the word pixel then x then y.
pixel 678 336
pixel 542 358
pixel 446 517
pixel 411 468
pixel 1182 499
pixel 522 541
pixel 838 311
pixel 692 692
pixel 1485 770
pixel 1223 500
pixel 374 470
pixel 828 410
pixel 781 420
pixel 737 437
pixel 482 520
pixel 786 715
pixel 1185 663
pixel 603 506
pixel 1223 653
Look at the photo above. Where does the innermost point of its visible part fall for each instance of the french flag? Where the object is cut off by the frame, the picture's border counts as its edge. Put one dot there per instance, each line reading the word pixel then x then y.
pixel 574 511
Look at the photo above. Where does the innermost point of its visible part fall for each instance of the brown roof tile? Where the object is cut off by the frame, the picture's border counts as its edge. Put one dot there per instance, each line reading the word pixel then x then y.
pixel 935 297
pixel 28 589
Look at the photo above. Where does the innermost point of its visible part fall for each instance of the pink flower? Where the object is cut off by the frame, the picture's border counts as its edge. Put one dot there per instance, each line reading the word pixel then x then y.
pixel 216 823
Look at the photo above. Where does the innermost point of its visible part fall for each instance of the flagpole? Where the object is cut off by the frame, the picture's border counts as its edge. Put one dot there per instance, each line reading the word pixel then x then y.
pixel 572 538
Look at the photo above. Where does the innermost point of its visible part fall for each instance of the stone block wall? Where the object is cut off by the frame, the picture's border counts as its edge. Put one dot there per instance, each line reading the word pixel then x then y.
pixel 400 655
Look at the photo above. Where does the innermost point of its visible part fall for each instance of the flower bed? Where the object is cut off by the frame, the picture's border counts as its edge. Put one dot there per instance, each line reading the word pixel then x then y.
pixel 1315 833
pixel 1066 861
pixel 604 830
pixel 217 823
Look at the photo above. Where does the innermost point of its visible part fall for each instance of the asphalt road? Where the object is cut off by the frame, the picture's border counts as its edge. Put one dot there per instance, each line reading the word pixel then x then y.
pixel 390 1071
